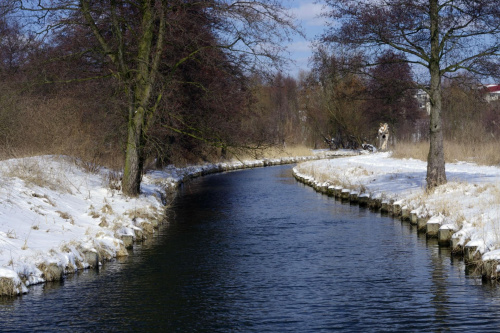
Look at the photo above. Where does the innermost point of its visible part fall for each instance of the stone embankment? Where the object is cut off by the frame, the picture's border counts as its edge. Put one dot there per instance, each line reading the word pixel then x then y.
pixel 115 233
pixel 172 177
pixel 432 227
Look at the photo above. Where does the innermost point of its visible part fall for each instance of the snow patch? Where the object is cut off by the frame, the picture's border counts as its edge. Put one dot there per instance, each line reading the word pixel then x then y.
pixel 469 203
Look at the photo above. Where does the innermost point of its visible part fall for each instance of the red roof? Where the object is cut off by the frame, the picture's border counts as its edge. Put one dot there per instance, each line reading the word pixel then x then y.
pixel 493 88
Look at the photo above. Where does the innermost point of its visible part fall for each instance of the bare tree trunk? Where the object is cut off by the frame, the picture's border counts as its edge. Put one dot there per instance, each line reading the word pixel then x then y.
pixel 134 159
pixel 436 174
pixel 140 109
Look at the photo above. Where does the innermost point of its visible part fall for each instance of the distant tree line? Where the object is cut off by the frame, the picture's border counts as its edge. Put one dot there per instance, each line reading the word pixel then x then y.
pixel 145 83
pixel 135 83
pixel 444 38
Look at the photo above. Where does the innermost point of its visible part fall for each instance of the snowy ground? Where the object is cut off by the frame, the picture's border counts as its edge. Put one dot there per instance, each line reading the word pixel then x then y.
pixel 56 212
pixel 58 215
pixel 469 203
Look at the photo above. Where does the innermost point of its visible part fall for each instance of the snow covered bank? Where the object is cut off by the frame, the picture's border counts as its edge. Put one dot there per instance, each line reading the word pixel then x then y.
pixel 172 176
pixel 58 215
pixel 468 207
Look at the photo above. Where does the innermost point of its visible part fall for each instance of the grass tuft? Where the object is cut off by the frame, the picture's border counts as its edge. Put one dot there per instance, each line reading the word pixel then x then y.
pixel 11 233
pixel 34 172
pixel 64 215
pixel 107 209
pixel 51 272
pixel 7 287
pixel 93 213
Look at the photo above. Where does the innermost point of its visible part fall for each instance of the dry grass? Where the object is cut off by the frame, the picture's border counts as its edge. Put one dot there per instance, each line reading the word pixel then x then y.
pixel 11 233
pixel 65 124
pixel 93 213
pixel 63 215
pixel 445 200
pixel 274 152
pixel 51 271
pixel 417 150
pixel 34 172
pixel 7 287
pixel 287 152
pixel 44 198
pixel 486 153
pixel 104 223
pixel 142 213
pixel 66 216
pixel 107 209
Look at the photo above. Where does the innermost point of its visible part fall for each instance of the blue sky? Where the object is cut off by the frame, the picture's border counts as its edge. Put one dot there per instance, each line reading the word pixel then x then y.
pixel 306 13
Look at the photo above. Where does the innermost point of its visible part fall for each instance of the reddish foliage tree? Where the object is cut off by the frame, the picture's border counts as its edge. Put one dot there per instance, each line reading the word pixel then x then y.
pixel 391 90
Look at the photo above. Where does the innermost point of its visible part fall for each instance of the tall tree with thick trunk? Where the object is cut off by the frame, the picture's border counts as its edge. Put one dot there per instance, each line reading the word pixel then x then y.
pixel 443 36
pixel 133 36
pixel 436 174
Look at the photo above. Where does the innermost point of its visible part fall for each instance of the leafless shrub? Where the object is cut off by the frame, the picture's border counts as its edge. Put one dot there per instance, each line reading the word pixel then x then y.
pixel 113 180
pixel 80 123
pixel 89 166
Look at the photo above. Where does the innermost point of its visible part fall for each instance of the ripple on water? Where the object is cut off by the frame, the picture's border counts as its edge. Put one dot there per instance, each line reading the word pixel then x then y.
pixel 254 251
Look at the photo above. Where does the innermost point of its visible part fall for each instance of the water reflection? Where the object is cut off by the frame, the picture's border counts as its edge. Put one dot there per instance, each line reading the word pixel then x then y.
pixel 439 275
pixel 254 251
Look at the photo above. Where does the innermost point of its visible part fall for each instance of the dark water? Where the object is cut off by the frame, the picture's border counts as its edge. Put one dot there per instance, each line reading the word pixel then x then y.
pixel 254 251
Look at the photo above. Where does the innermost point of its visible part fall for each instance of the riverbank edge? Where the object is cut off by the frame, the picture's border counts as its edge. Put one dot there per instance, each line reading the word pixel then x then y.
pixel 430 225
pixel 13 284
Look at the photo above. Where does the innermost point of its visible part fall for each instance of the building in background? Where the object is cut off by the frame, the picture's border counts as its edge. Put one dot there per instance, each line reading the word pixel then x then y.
pixel 492 92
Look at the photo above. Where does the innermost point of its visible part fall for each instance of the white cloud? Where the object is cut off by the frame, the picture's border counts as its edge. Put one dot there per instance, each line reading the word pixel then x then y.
pixel 307 14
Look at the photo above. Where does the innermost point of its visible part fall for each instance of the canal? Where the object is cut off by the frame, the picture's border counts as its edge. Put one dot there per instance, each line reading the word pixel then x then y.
pixel 255 251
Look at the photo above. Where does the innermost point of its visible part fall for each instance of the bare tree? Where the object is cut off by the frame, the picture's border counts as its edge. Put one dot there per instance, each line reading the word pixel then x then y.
pixel 443 36
pixel 133 36
pixel 390 95
pixel 277 100
pixel 341 96
pixel 464 108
